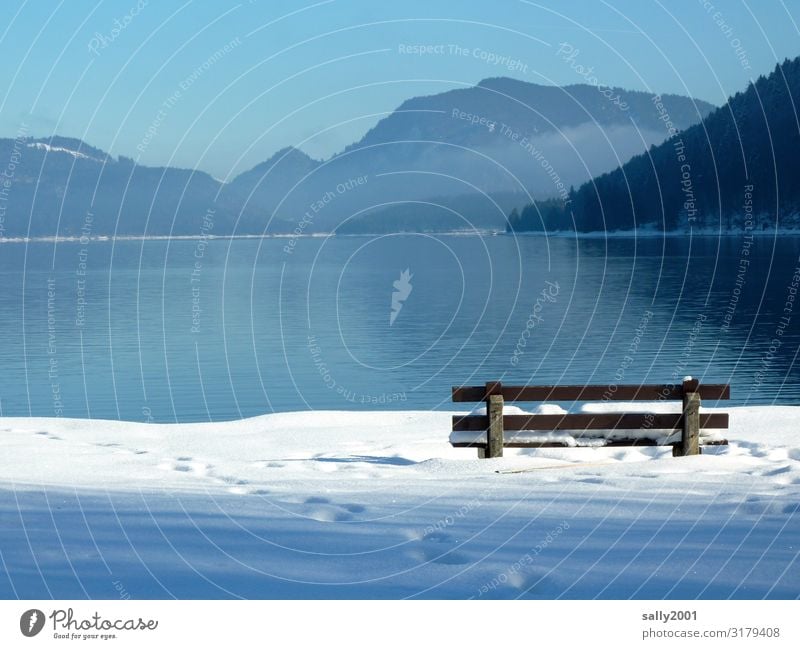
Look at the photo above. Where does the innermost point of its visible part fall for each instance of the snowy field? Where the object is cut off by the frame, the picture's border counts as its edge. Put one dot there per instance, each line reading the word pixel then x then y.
pixel 379 505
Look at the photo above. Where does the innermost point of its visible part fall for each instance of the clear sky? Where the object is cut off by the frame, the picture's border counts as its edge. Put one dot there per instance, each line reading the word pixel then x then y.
pixel 154 80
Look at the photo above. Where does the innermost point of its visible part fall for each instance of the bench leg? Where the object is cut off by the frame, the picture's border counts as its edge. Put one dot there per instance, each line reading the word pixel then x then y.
pixel 677 451
pixel 494 436
pixel 690 439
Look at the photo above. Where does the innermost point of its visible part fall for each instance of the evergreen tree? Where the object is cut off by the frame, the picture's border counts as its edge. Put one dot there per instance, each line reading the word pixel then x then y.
pixel 699 177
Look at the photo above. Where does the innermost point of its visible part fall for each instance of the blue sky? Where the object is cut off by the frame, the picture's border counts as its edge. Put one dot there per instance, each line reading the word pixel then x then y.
pixel 222 86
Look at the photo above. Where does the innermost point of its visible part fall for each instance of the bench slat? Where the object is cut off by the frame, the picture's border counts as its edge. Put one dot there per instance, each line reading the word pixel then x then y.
pixel 661 392
pixel 614 442
pixel 589 421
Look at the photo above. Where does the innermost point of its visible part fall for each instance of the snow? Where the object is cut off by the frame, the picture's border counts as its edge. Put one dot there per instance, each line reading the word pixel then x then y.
pixel 379 505
pixel 507 410
pixel 49 148
pixel 542 409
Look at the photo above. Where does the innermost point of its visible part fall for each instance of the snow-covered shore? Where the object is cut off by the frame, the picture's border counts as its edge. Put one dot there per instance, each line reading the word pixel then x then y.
pixel 378 504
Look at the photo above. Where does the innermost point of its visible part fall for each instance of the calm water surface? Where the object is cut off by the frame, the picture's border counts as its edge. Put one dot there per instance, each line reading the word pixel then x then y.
pixel 190 330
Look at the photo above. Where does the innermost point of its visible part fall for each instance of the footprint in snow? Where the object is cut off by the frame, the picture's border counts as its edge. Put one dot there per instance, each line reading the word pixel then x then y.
pixel 196 468
pixel 783 469
pixel 316 500
pixel 755 506
pixel 48 435
pixel 433 548
pixel 323 510
pixel 123 449
pixel 231 480
pixel 267 464
pixel 590 480
pixel 438 555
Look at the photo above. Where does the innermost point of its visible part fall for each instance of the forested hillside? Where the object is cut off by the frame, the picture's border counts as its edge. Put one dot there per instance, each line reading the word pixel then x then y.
pixel 739 163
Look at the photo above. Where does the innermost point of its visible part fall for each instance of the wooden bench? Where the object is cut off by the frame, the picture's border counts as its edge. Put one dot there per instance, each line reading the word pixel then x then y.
pixel 587 427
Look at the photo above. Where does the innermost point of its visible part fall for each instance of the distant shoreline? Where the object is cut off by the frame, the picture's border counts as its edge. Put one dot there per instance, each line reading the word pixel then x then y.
pixel 656 234
pixel 617 234
pixel 156 237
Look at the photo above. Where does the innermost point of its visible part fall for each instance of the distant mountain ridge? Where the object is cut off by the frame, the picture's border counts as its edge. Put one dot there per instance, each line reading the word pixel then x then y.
pixel 528 108
pixel 450 145
pixel 737 169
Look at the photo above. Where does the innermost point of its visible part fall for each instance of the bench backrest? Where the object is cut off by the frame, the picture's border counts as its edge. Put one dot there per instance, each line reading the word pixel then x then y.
pixel 494 393
pixel 669 391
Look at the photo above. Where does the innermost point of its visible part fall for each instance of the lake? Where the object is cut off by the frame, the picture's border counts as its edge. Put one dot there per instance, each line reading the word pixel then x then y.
pixel 192 330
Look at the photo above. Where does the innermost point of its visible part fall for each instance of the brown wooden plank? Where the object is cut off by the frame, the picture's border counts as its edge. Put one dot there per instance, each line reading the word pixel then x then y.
pixel 612 392
pixel 588 421
pixel 592 393
pixel 492 387
pixel 468 393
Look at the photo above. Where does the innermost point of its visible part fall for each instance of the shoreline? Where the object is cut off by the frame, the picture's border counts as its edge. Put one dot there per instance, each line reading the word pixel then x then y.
pixel 616 234
pixel 657 234
pixel 355 416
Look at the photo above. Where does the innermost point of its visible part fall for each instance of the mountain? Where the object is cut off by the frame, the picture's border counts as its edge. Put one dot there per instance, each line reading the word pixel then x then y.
pixel 503 137
pixel 736 169
pixel 271 188
pixel 55 183
pixel 528 108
